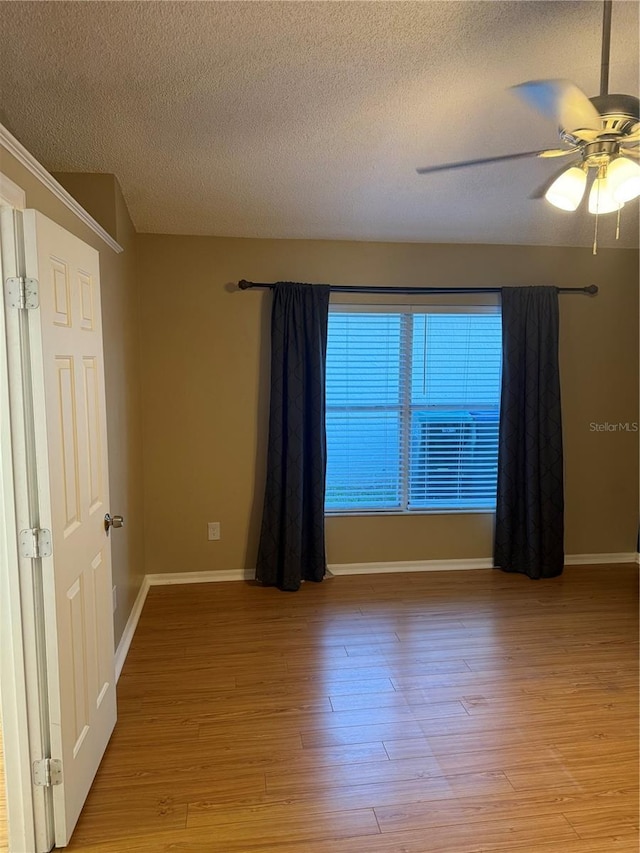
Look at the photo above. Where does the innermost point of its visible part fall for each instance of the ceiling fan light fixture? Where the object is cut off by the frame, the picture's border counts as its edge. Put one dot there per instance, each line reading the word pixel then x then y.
pixel 600 198
pixel 567 190
pixel 623 176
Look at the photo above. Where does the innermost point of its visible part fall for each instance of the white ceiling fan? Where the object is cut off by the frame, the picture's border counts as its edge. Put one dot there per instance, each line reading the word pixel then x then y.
pixel 602 132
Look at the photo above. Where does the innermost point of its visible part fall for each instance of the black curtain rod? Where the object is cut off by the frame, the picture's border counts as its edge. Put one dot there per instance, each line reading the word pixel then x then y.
pixel 413 291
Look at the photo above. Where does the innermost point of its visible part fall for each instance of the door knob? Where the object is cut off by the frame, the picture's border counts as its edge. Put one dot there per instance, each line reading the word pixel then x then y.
pixel 112 521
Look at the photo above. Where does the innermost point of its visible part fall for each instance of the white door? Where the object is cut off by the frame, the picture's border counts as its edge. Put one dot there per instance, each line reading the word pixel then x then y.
pixel 73 498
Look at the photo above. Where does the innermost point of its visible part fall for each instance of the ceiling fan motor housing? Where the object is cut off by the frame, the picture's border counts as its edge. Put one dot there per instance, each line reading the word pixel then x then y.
pixel 620 115
pixel 619 112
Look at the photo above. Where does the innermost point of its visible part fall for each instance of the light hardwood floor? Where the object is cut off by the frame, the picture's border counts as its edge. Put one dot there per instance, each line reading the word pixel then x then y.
pixel 420 713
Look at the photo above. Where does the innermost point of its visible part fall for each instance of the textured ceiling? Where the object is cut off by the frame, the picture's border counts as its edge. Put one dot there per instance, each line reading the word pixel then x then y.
pixel 307 119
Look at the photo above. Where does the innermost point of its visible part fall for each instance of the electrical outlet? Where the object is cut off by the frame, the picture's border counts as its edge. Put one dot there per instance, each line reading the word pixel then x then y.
pixel 114 593
pixel 213 529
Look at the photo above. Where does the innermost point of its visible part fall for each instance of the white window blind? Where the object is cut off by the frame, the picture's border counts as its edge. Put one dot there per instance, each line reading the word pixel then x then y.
pixel 412 409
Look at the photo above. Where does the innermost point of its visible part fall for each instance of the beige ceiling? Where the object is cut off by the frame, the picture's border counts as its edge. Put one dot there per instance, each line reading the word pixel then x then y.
pixel 307 119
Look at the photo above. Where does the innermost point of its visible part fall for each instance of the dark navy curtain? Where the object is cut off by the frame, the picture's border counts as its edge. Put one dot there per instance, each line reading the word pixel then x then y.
pixel 529 534
pixel 292 542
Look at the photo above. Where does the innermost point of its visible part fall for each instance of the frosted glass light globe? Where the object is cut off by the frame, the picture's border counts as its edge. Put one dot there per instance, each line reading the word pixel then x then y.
pixel 624 179
pixel 567 190
pixel 600 198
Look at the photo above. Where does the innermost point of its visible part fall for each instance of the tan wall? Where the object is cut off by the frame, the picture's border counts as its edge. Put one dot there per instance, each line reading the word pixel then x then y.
pixel 204 364
pixel 205 389
pixel 96 192
pixel 120 319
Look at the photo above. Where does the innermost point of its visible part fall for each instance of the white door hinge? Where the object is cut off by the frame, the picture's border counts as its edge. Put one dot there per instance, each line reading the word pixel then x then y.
pixel 47 772
pixel 35 542
pixel 22 292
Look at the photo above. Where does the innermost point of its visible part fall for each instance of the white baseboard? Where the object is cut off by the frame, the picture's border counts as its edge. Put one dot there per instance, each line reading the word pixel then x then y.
pixel 168 578
pixel 597 559
pixel 130 627
pixel 409 566
pixel 335 569
pixel 465 565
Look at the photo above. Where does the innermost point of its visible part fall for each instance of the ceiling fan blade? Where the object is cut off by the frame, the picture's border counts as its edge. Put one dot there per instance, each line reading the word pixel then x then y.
pixel 630 152
pixel 541 191
pixel 561 100
pixel 462 164
pixel 558 152
pixel 631 138
pixel 586 134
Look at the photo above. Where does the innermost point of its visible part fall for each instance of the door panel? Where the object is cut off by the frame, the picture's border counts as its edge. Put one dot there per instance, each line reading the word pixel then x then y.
pixel 71 448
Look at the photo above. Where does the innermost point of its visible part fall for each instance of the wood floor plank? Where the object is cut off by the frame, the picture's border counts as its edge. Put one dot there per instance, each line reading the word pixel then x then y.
pixel 274 822
pixel 615 810
pixel 582 775
pixel 286 783
pixel 422 713
pixel 395 698
pixel 305 760
pixel 603 821
pixel 489 837
pixel 121 819
pixel 380 794
pixel 317 737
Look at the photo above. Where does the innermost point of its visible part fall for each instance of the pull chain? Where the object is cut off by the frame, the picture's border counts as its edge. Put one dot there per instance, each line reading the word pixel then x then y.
pixel 618 223
pixel 595 231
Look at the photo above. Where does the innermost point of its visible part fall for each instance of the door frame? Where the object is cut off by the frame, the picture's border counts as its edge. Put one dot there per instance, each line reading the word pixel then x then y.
pixel 23 701
pixel 22 698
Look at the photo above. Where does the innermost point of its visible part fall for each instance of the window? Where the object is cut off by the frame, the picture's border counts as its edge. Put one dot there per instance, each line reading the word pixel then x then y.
pixel 412 408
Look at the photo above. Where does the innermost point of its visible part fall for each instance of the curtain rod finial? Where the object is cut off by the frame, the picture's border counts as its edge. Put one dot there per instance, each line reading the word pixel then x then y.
pixel 592 289
pixel 243 284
